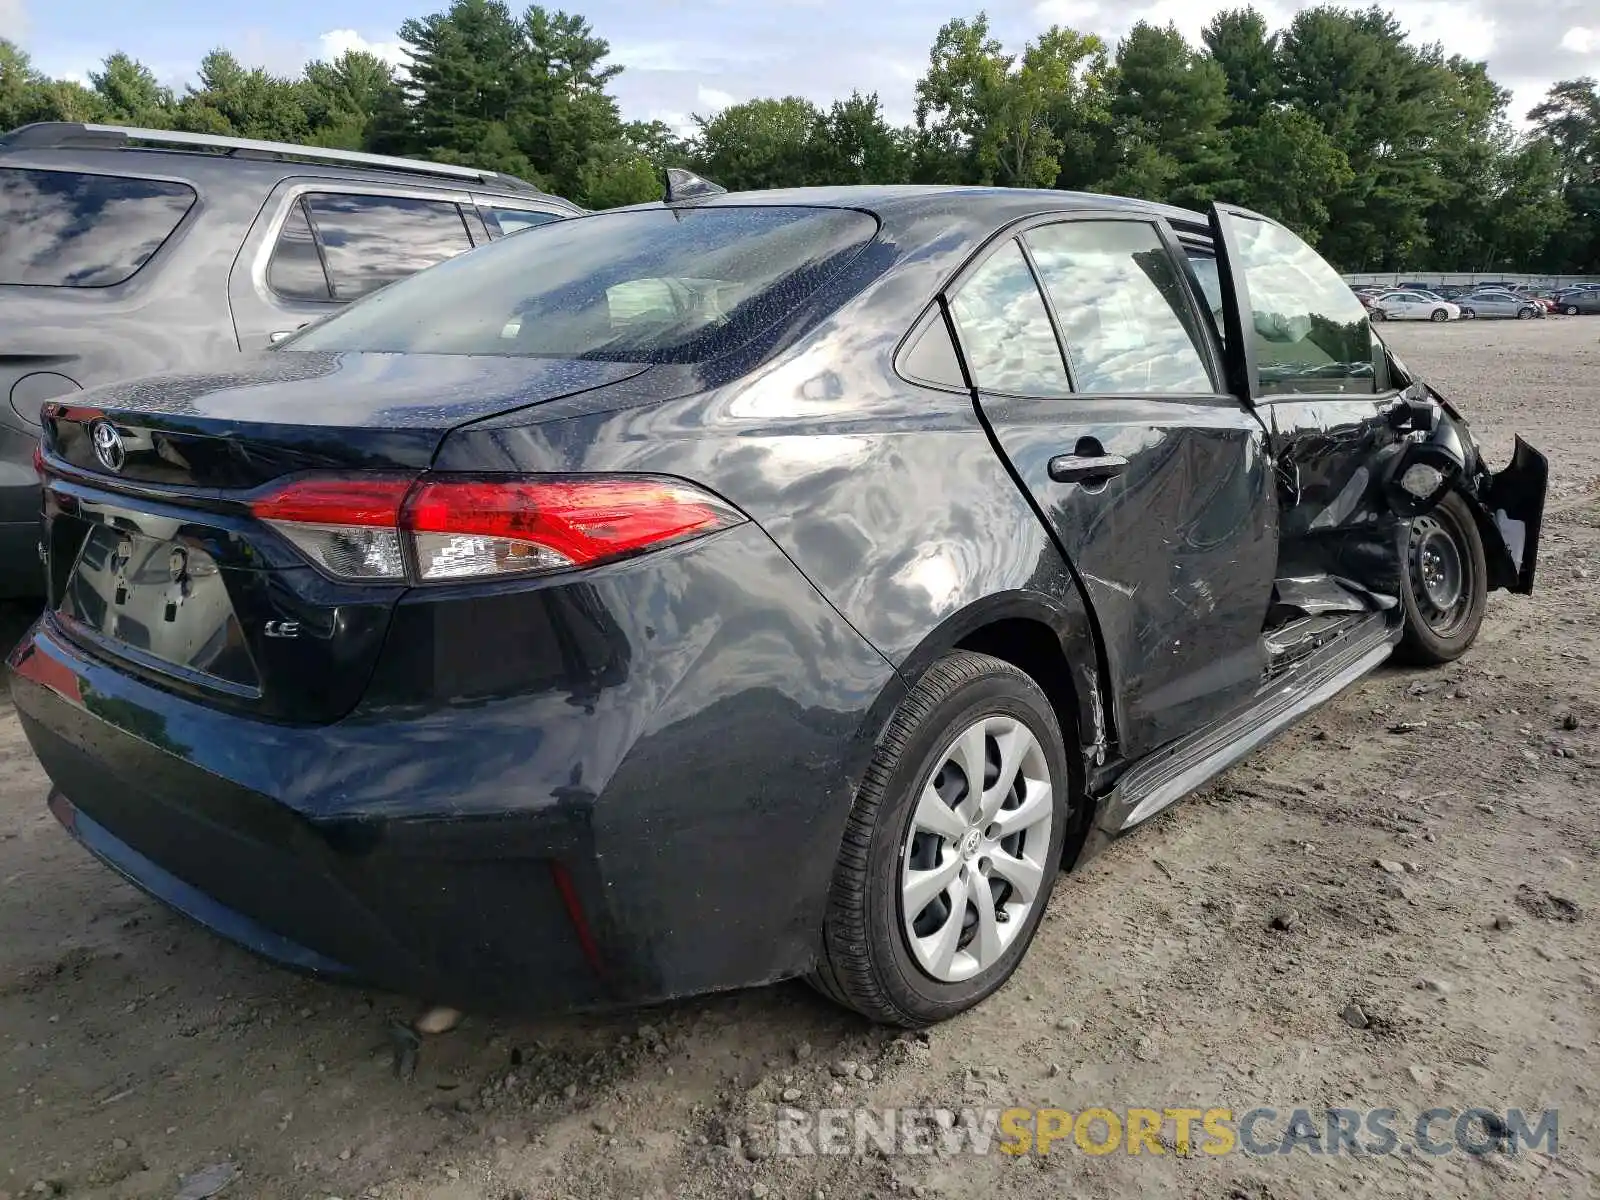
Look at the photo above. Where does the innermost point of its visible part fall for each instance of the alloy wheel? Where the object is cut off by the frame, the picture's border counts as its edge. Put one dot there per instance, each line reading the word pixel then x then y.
pixel 973 862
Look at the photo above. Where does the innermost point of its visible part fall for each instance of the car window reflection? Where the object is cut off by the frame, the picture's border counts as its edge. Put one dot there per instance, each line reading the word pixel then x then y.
pixel 1005 328
pixel 370 241
pixel 1311 334
pixel 68 229
pixel 1122 310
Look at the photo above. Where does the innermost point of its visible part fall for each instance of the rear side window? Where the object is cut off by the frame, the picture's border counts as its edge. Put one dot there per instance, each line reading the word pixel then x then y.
pixel 67 229
pixel 510 220
pixel 370 241
pixel 295 272
pixel 1005 329
pixel 1124 314
pixel 646 285
pixel 1310 333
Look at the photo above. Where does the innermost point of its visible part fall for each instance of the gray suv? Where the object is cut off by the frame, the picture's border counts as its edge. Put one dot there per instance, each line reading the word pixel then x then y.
pixel 126 252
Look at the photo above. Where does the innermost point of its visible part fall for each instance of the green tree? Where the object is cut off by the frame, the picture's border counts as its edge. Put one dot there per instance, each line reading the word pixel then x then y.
pixel 569 112
pixel 1530 221
pixel 985 116
pixel 27 96
pixel 1381 102
pixel 853 143
pixel 1470 146
pixel 1241 44
pixel 344 98
pixel 757 144
pixel 1167 106
pixel 1287 167
pixel 130 94
pixel 249 103
pixel 1568 122
pixel 465 87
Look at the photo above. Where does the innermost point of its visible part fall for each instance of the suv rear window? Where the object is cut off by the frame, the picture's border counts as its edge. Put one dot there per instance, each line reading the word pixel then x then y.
pixel 67 229
pixel 644 285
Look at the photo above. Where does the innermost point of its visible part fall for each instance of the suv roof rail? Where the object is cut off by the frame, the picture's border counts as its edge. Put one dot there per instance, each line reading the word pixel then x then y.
pixel 50 135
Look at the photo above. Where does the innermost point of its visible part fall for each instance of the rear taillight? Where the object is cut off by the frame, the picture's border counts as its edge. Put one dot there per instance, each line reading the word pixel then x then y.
pixel 386 527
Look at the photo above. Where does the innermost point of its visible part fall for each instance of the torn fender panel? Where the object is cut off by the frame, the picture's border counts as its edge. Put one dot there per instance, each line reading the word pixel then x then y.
pixel 1508 505
pixel 1514 504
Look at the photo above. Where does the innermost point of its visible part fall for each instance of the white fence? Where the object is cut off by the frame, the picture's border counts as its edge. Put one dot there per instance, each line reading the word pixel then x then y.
pixel 1435 279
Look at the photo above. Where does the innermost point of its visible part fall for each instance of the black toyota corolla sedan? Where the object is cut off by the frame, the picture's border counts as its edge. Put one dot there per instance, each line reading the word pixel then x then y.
pixel 738 588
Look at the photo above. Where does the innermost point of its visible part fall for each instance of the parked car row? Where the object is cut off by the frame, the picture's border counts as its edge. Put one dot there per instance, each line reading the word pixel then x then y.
pixel 1414 302
pixel 702 593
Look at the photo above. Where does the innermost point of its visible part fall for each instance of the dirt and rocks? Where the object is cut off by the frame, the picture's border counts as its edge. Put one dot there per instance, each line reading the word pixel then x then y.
pixel 1395 906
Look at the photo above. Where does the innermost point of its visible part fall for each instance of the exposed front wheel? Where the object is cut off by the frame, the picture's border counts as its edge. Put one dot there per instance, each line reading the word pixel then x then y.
pixel 1469 314
pixel 952 847
pixel 1440 314
pixel 1571 310
pixel 1524 314
pixel 1446 585
pixel 1379 315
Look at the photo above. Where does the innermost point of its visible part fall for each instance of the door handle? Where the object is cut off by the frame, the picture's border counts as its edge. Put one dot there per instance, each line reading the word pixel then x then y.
pixel 277 335
pixel 1086 468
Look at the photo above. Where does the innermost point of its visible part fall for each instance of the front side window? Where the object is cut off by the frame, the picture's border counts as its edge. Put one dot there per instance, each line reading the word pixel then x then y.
pixel 68 229
pixel 641 285
pixel 511 220
pixel 1005 329
pixel 1310 334
pixel 1124 313
pixel 370 241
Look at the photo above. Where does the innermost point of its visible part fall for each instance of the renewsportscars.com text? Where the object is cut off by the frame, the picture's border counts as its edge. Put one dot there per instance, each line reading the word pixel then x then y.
pixel 1260 1132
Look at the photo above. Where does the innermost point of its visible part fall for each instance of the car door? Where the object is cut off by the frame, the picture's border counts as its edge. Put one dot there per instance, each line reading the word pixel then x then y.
pixel 320 244
pixel 1302 349
pixel 1417 307
pixel 1095 375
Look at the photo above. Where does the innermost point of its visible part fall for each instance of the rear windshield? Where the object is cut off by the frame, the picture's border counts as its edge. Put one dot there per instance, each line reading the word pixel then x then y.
pixel 645 285
pixel 67 229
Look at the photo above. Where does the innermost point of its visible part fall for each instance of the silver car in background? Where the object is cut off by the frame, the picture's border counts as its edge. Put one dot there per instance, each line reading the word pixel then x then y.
pixel 1500 304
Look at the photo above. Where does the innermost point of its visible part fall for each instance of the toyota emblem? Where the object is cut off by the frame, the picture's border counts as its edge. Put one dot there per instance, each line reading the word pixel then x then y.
pixel 108 447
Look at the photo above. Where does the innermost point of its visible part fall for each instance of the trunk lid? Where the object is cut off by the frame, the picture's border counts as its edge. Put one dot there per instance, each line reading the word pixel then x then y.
pixel 289 411
pixel 156 562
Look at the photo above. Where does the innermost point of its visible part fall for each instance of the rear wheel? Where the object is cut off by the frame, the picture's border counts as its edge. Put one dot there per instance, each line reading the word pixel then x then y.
pixel 1439 314
pixel 951 849
pixel 1446 585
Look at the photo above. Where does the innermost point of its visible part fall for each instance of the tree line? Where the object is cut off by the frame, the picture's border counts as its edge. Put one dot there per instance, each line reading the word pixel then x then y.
pixel 1388 155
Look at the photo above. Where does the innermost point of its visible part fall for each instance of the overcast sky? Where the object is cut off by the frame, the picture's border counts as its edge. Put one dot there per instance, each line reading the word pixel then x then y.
pixel 695 56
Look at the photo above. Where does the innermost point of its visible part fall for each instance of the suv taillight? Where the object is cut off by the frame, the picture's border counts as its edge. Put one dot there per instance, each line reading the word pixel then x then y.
pixel 438 528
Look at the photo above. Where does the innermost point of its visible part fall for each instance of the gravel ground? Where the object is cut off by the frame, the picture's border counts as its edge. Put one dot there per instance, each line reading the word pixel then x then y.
pixel 1441 880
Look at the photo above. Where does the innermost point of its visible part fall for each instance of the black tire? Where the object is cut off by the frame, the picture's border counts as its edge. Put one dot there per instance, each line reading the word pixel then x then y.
pixel 1379 315
pixel 866 963
pixel 1524 314
pixel 1571 310
pixel 1434 634
pixel 1439 314
pixel 1469 314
